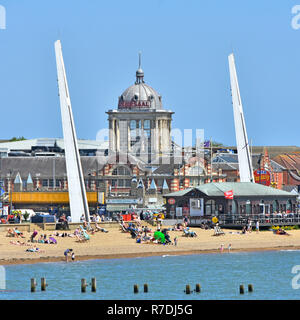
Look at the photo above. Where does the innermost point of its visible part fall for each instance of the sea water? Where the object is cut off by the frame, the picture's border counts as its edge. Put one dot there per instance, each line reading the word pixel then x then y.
pixel 219 275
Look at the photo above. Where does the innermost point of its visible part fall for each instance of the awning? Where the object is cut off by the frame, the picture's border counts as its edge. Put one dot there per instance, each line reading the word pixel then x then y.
pixel 117 207
pixel 154 207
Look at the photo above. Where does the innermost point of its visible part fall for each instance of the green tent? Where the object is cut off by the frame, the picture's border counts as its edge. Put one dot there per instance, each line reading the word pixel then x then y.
pixel 159 236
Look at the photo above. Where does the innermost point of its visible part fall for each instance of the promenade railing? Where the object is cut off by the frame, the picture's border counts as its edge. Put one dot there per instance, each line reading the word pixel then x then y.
pixel 271 219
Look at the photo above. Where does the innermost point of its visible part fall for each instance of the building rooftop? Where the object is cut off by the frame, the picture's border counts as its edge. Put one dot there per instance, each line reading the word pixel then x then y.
pixel 239 189
pixel 52 142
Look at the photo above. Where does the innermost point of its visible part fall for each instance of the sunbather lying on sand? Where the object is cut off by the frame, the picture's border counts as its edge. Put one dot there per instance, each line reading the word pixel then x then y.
pixel 99 228
pixel 19 243
pixel 34 249
pixel 281 232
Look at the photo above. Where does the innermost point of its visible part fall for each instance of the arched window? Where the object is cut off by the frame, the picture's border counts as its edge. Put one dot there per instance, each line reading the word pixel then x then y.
pixel 121 183
pixel 275 206
pixel 234 209
pixel 248 207
pixel 196 170
pixel 288 206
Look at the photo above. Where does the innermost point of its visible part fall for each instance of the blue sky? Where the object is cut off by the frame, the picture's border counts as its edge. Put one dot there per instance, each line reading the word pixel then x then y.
pixel 184 45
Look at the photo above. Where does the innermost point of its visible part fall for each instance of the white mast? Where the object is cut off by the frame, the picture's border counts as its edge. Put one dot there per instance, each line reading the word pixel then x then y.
pixel 77 192
pixel 244 156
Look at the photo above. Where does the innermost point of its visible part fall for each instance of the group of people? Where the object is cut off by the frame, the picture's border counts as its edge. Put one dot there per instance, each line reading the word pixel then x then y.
pixel 134 228
pixel 162 238
pixel 143 234
pixel 43 239
pixel 222 248
pixel 248 227
pixel 14 233
pixel 189 233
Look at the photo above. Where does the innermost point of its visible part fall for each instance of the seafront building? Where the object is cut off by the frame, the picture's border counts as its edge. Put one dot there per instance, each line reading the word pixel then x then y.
pixel 246 199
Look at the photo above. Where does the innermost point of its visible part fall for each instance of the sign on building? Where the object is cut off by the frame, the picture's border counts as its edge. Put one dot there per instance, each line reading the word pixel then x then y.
pixel 262 177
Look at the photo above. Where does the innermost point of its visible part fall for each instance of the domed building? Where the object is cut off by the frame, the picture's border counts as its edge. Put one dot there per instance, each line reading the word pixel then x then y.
pixel 140 125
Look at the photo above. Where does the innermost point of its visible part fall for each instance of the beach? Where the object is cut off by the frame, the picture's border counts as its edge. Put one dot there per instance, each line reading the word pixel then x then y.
pixel 117 244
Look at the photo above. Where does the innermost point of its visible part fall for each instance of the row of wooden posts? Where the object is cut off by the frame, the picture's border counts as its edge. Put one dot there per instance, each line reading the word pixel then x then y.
pixel 135 287
pixel 84 284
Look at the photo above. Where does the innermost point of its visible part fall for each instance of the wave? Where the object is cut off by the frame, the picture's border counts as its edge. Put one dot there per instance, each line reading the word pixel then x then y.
pixel 169 255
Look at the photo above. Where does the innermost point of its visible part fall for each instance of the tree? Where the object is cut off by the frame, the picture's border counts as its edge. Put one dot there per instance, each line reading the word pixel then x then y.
pixel 17 139
pixel 26 215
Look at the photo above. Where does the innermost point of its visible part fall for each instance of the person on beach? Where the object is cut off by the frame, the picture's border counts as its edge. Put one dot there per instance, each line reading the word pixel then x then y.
pixel 73 256
pixel 222 248
pixel 244 230
pixel 175 241
pixel 18 233
pixel 10 233
pixel 249 226
pixel 257 226
pixel 33 235
pixel 229 248
pixel 66 253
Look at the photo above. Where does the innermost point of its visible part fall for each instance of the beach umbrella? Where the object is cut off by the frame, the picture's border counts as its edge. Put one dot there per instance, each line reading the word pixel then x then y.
pixel 214 219
pixel 159 235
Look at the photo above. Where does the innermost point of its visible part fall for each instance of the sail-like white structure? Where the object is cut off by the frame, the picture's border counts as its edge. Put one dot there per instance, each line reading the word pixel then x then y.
pixel 76 186
pixel 244 156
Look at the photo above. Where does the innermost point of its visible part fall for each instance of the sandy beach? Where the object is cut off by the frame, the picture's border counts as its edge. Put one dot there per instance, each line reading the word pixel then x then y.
pixel 117 244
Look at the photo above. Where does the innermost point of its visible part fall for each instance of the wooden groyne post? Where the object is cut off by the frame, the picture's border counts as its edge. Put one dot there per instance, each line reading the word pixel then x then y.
pixel 43 284
pixel 242 290
pixel 32 285
pixel 94 284
pixel 145 287
pixel 198 288
pixel 83 285
pixel 187 289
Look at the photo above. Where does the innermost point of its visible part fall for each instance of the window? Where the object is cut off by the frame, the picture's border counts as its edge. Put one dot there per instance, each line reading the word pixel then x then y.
pixel 121 183
pixel 134 127
pixel 45 183
pixel 121 171
pixel 147 133
pixel 146 124
pixel 210 207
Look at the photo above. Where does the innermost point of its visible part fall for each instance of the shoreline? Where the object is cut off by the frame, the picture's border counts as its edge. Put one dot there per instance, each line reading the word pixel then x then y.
pixel 16 261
